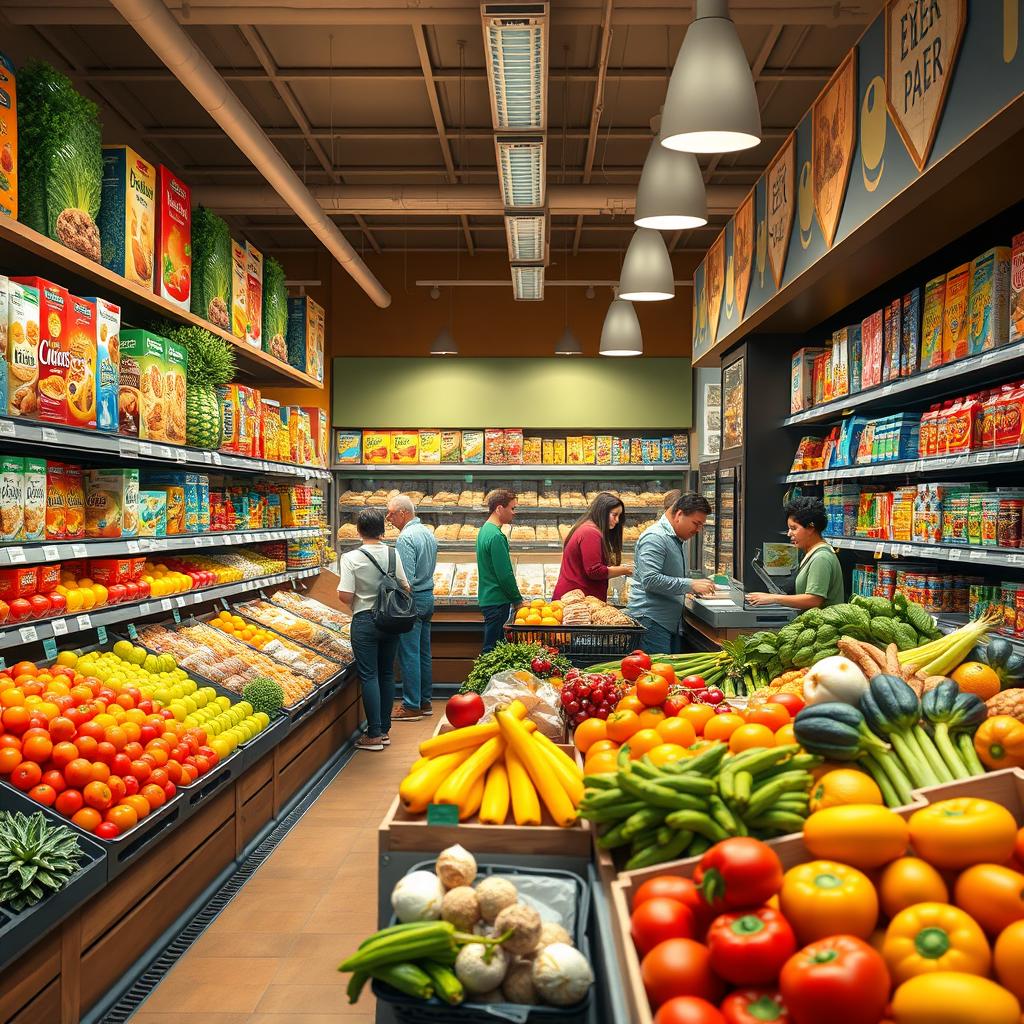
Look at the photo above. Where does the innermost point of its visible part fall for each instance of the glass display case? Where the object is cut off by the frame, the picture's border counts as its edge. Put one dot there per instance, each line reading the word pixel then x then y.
pixel 726 520
pixel 707 556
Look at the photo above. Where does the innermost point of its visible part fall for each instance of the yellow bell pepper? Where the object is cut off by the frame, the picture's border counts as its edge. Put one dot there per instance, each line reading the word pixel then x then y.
pixel 931 937
pixel 818 894
pixel 951 997
pixel 999 742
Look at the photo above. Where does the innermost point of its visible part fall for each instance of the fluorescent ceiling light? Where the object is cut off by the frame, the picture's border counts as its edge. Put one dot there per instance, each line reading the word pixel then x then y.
pixel 516 45
pixel 647 274
pixel 568 344
pixel 670 196
pixel 444 344
pixel 527 237
pixel 620 335
pixel 528 283
pixel 521 170
pixel 711 105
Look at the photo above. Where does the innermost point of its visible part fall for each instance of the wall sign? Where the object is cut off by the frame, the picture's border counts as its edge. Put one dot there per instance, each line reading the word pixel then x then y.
pixel 715 283
pixel 743 252
pixel 833 134
pixel 922 43
pixel 780 180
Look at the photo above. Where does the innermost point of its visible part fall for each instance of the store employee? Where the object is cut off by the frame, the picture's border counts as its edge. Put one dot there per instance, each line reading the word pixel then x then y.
pixel 819 580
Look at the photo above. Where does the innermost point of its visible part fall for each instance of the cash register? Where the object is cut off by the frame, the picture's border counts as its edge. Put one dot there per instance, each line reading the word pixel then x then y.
pixel 728 609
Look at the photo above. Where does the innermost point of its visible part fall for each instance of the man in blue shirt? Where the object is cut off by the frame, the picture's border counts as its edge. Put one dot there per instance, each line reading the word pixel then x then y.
pixel 660 583
pixel 417 547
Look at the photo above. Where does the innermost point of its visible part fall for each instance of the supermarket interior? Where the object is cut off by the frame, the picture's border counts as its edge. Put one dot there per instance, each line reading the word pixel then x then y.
pixel 512 511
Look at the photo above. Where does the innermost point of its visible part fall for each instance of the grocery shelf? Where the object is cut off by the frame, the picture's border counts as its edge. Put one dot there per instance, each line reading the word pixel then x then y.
pixel 970 554
pixel 940 464
pixel 444 546
pixel 74 442
pixel 25 252
pixel 16 634
pixel 460 510
pixel 961 376
pixel 533 470
pixel 59 551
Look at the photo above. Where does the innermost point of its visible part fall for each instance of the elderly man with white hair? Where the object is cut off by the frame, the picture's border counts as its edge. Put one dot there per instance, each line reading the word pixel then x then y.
pixel 417 548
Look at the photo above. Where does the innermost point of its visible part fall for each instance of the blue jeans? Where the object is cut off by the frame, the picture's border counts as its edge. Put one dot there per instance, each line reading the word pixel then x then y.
pixel 658 639
pixel 414 655
pixel 375 660
pixel 495 617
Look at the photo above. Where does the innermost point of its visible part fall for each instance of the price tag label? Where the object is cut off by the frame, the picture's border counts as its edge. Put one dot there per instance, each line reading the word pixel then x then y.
pixel 133 547
pixel 59 627
pixel 145 448
pixel 248 538
pixel 28 634
pixel 208 458
pixel 128 448
pixel 176 615
pixel 180 601
pixel 179 455
pixel 6 428
pixel 164 452
pixel 955 554
pixel 879 551
pixel 101 634
pixel 84 622
pixel 983 458
pixel 50 647
pixel 51 552
pixel 132 631
pixel 16 555
pixel 49 435
pixel 165 605
pixel 217 460
pixel 468 478
pixel 1015 559
pixel 79 550
pixel 144 610
pixel 444 815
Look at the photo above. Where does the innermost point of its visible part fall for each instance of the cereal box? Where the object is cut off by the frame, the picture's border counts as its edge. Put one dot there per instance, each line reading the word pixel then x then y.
pixel 547 451
pixel 589 449
pixel 128 215
pixel 430 447
pixel 668 450
pixel 8 139
pixel 871 331
pixel 172 269
pixel 111 502
pixel 152 513
pixel 603 450
pixel 931 323
pixel 175 510
pixel 892 341
pixel 910 333
pixel 494 446
pixel 175 368
pixel 533 451
pixel 376 447
pixel 12 498
pixel 141 384
pixel 348 446
pixel 204 503
pixel 955 315
pixel 989 303
pixel 621 451
pixel 514 446
pixel 3 343
pixel 52 357
pixel 681 442
pixel 81 374
pixel 74 502
pixel 1017 289
pixel 651 448
pixel 636 451
pixel 35 499
pixel 253 295
pixel 559 452
pixel 839 360
pixel 405 447
pixel 56 497
pixel 22 348
pixel 239 291
pixel 108 360
pixel 473 446
pixel 451 446
pixel 574 451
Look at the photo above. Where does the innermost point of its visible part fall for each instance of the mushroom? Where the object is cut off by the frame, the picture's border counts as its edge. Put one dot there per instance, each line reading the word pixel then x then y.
pixel 524 924
pixel 461 908
pixel 495 894
pixel 561 974
pixel 518 985
pixel 551 932
pixel 455 867
pixel 481 968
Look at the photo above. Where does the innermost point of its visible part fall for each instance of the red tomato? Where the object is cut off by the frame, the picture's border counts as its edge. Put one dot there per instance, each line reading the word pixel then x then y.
pixel 755 1006
pixel 55 780
pixel 635 665
pixel 106 830
pixel 464 709
pixel 652 689
pixel 61 729
pixel 105 752
pixel 675 703
pixel 840 979
pixel 679 967
pixel 739 872
pixel 43 794
pixel 750 947
pixel 121 765
pixel 170 790
pixel 775 716
pixel 78 773
pixel 666 671
pixel 131 785
pixel 790 701
pixel 69 802
pixel 694 683
pixel 688 1010
pixel 26 775
pixel 658 919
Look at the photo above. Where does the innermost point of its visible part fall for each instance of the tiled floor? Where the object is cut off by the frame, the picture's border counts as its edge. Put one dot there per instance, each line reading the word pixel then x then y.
pixel 273 954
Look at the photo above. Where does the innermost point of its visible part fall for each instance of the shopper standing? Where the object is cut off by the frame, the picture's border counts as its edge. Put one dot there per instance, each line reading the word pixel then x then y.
pixel 660 577
pixel 592 553
pixel 417 547
pixel 359 576
pixel 497 590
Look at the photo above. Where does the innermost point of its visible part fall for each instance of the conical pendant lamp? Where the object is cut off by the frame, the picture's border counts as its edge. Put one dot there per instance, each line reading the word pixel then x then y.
pixel 568 344
pixel 444 344
pixel 670 196
pixel 647 274
pixel 620 335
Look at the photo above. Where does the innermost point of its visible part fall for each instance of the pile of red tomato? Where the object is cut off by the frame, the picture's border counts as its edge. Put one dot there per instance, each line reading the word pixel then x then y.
pixel 103 758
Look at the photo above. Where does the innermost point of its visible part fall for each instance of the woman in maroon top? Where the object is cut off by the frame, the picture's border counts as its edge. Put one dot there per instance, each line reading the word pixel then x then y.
pixel 593 549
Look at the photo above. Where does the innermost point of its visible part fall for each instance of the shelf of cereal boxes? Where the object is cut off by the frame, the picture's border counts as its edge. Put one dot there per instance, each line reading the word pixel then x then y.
pixel 935 464
pixel 15 635
pixel 1001 557
pixel 97 443
pixel 534 469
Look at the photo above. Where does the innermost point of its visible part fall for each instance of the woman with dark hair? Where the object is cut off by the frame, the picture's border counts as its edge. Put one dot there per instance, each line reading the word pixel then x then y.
pixel 593 549
pixel 819 580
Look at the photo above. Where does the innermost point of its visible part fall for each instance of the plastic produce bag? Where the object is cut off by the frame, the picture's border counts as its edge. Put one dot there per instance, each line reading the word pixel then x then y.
pixel 540 697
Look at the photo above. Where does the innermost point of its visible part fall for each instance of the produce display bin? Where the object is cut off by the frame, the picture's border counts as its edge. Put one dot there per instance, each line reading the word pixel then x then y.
pixel 254 750
pixel 578 642
pixel 19 931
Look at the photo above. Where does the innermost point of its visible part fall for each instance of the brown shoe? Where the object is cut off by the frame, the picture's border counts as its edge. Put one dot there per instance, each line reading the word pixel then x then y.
pixel 404 714
pixel 386 740
pixel 370 743
pixel 427 709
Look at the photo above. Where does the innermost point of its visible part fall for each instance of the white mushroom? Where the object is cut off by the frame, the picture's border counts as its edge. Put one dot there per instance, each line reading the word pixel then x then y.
pixel 524 923
pixel 417 897
pixel 481 968
pixel 456 866
pixel 561 974
pixel 495 894
pixel 551 932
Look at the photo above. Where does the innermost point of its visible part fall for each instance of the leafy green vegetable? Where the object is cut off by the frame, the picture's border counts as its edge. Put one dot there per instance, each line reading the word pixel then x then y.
pixel 36 858
pixel 211 268
pixel 506 657
pixel 275 309
pixel 211 360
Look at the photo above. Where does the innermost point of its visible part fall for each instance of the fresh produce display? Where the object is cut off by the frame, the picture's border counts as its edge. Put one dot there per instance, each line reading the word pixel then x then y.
pixel 300 660
pixel 36 858
pixel 464 709
pixel 468 939
pixel 211 268
pixel 310 634
pixel 488 768
pixel 315 611
pixel 543 662
pixel 264 695
pixel 725 670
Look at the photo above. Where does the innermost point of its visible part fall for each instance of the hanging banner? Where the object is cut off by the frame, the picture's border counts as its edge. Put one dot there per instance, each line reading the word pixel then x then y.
pixel 779 181
pixel 743 252
pixel 833 134
pixel 922 43
pixel 715 283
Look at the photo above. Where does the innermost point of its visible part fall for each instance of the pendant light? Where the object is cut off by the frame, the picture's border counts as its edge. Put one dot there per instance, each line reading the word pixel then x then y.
pixel 620 335
pixel 444 344
pixel 670 196
pixel 711 105
pixel 568 344
pixel 647 274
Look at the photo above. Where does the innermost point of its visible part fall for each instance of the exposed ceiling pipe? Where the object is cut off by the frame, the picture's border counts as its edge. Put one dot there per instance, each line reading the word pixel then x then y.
pixel 165 37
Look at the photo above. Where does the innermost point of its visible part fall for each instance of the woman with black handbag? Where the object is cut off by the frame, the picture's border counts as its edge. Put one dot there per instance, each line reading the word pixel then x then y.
pixel 373 586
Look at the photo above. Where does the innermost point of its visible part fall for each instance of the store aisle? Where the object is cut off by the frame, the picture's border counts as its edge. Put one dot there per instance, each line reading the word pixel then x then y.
pixel 273 953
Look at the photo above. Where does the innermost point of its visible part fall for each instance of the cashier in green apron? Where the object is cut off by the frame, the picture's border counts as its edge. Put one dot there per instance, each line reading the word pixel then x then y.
pixel 819 580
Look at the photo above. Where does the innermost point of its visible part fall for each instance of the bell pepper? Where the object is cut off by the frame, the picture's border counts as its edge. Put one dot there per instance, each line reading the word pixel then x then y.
pixel 952 998
pixel 750 947
pixel 635 665
pixel 820 895
pixel 962 831
pixel 738 872
pixel 755 1006
pixel 999 742
pixel 930 937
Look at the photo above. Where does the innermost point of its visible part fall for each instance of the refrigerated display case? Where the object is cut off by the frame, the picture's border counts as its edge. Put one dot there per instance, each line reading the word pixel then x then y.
pixel 728 524
pixel 707 553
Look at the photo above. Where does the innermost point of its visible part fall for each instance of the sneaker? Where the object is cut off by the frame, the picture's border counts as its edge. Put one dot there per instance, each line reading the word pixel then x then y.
pixel 370 743
pixel 404 714
pixel 386 740
pixel 427 709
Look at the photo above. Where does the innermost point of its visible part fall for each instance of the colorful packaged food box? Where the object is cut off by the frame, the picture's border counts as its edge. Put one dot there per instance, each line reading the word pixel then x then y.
pixel 451 446
pixel 204 503
pixel 8 139
pixel 636 451
pixel 1016 326
pixel 318 432
pixel 348 446
pixel 141 377
pixel 253 295
pixel 270 424
pixel 46 355
pixel 841 363
pixel 12 499
pixel 473 446
pixel 955 314
pixel 376 447
pixel 4 288
pixel 300 442
pixel 111 571
pixel 239 291
pixel 175 369
pixel 405 447
pixel 603 450
pixel 892 340
pixel 559 452
pixel 621 451
pixel 821 377
pixel 81 373
pixel 127 219
pixel 172 268
pixel 548 451
pixel 22 348
pixel 494 446
pixel 152 514
pixel 589 449
pixel 651 451
pixel 56 498
pixel 533 451
pixel 871 343
pixel 35 499
pixel 107 362
pixel 315 340
pixel 910 333
pixel 19 581
pixel 430 447
pixel 987 326
pixel 48 577
pixel 681 443
pixel 668 450
pixel 931 322
pixel 175 510
pixel 111 503
pixel 513 446
pixel 74 502
pixel 247 403
pixel 574 451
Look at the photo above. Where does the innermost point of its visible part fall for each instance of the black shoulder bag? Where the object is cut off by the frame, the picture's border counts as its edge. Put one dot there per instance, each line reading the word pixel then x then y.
pixel 394 610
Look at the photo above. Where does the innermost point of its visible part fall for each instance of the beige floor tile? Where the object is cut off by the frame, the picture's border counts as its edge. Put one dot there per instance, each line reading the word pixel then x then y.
pixel 244 944
pixel 145 1016
pixel 358 1016
pixel 301 1000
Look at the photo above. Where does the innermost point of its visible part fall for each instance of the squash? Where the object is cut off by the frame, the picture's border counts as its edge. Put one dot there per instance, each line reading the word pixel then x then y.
pixel 417 789
pixel 864 835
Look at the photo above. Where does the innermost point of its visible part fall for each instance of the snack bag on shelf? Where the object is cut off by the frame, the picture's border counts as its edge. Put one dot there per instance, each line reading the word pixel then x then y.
pixel 681 446
pixel 574 451
pixel 253 296
pixel 589 449
pixel 533 451
pixel 603 450
pixel 955 315
pixel 931 322
pixel 548 451
pixel 910 333
pixel 871 346
pixel 111 503
pixel 22 352
pixel 127 219
pixel 430 447
pixel 559 451
pixel 989 303
pixel 56 497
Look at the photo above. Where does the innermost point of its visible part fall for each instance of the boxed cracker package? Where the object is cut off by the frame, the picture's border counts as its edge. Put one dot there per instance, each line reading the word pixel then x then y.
pixel 56 501
pixel 430 447
pixel 35 499
pixel 533 451
pixel 141 405
pixel 603 450
pixel 955 313
pixel 47 352
pixel 405 447
pixel 987 326
pixel 127 219
pixel 306 336
pixel 559 451
pixel 513 443
pixel 931 322
pixel 12 498
pixel 22 349
pixel 152 513
pixel 175 369
pixel 318 432
pixel 74 502
pixel 253 295
pixel 376 447
pixel 4 291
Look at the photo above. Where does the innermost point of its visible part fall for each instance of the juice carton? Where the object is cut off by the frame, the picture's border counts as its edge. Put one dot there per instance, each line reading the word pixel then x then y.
pixel 1017 289
pixel 141 402
pixel 253 295
pixel 172 269
pixel 405 447
pixel 35 499
pixel 56 499
pixel 451 446
pixel 473 446
pixel 376 447
pixel 892 341
pixel 111 502
pixel 989 303
pixel 81 376
pixel 533 451
pixel 955 316
pixel 4 288
pixel 22 349
pixel 348 445
pixel 931 322
pixel 430 447
pixel 12 499
pixel 108 361
pixel 494 446
pixel 239 291
pixel 152 514
pixel 8 139
pixel 128 215
pixel 74 502
pixel 513 446
pixel 871 351
pixel 910 333
pixel 175 368
pixel 52 355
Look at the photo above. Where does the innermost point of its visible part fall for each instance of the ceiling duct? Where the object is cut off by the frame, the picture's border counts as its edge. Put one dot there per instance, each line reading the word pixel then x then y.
pixel 528 283
pixel 527 238
pixel 516 46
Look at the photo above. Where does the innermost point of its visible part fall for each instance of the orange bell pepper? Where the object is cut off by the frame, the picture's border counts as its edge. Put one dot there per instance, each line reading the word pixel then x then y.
pixel 999 742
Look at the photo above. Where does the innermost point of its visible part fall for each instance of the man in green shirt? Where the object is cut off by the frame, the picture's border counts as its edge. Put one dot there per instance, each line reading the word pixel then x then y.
pixel 496 586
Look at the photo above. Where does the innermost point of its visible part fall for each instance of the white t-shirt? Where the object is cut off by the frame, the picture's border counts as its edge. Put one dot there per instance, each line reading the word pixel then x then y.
pixel 358 575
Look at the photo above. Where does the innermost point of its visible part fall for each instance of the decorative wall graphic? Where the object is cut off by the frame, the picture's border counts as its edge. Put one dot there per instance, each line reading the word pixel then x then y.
pixel 743 252
pixel 711 435
pixel 805 204
pixel 833 135
pixel 780 179
pixel 732 410
pixel 730 288
pixel 1011 29
pixel 922 42
pixel 715 283
pixel 873 122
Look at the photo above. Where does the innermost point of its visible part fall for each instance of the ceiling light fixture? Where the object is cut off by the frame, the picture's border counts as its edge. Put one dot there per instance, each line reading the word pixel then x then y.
pixel 515 44
pixel 521 170
pixel 526 238
pixel 444 344
pixel 647 274
pixel 670 196
pixel 620 335
pixel 711 105
pixel 528 283
pixel 568 344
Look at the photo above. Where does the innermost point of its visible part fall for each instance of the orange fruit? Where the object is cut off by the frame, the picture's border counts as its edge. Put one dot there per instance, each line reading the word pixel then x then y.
pixel 651 718
pixel 642 741
pixel 602 745
pixel 123 816
pixel 667 753
pixel 844 786
pixel 677 730
pixel 631 702
pixel 599 764
pixel 588 733
pixel 87 818
pixel 974 677
pixel 785 735
pixel 751 735
pixel 139 804
pixel 698 715
pixel 721 727
pixel 621 725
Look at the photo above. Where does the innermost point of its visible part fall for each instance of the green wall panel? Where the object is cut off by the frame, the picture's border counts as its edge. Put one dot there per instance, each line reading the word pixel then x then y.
pixel 547 393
